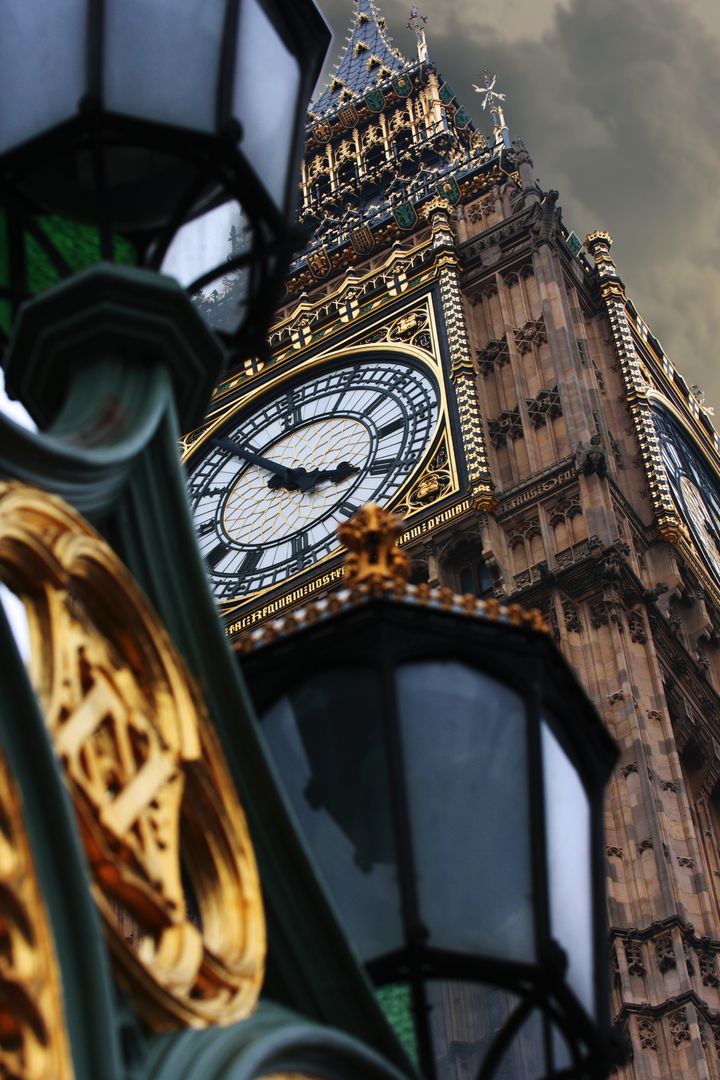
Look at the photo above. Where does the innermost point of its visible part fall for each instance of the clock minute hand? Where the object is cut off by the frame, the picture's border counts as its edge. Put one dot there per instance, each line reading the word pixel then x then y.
pixel 282 475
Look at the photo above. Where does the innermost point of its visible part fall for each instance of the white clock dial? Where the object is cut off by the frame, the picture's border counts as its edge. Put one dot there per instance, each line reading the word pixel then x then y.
pixel 268 491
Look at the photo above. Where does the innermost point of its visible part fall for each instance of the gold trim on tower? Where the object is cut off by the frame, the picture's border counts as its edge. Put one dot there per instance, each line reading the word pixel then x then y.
pixel 173 870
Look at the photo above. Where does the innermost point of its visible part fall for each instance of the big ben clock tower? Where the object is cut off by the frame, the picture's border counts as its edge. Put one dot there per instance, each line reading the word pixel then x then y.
pixel 449 349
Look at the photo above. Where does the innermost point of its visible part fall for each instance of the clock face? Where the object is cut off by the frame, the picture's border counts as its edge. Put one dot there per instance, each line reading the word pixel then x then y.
pixel 268 491
pixel 694 487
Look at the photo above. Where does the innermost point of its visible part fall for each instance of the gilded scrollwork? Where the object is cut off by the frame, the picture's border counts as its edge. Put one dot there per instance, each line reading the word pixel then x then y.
pixel 173 870
pixel 33 1040
pixel 434 483
pixel 411 328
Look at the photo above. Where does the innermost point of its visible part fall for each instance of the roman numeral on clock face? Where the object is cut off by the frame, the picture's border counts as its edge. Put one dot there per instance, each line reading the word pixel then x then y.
pixel 347 508
pixel 393 426
pixel 381 466
pixel 299 544
pixel 251 560
pixel 215 555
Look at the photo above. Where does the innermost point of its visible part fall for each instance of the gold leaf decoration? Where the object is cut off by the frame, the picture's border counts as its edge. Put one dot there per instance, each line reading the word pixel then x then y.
pixel 173 869
pixel 33 1040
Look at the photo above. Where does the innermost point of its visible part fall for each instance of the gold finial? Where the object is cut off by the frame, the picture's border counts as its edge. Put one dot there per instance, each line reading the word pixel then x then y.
pixel 370 534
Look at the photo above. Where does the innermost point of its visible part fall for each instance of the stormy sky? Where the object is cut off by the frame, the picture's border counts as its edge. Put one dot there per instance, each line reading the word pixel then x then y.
pixel 619 104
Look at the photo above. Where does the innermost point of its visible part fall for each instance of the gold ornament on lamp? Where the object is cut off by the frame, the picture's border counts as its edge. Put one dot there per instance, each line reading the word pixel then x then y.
pixel 173 870
pixel 33 1041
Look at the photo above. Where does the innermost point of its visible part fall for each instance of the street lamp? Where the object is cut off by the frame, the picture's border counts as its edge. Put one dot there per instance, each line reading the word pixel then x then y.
pixel 162 134
pixel 447 771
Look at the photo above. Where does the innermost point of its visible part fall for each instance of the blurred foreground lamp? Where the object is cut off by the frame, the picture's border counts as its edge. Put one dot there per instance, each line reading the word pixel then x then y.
pixel 448 771
pixel 159 133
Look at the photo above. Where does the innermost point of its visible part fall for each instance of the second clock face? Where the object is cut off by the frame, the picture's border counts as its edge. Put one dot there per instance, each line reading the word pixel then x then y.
pixel 269 490
pixel 694 488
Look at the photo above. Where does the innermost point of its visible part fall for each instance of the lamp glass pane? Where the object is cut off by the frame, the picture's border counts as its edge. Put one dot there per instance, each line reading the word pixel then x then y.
pixel 567 832
pixel 465 755
pixel 42 66
pixel 78 244
pixel 327 741
pixel 525 1057
pixel 161 60
pixel 465 1019
pixel 397 1004
pixel 267 83
pixel 204 243
pixel 562 1055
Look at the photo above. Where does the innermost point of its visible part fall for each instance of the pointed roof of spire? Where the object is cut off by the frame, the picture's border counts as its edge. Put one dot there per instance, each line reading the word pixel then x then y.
pixel 369 57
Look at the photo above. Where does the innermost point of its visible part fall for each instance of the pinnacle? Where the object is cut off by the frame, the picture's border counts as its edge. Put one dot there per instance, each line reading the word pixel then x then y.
pixel 369 57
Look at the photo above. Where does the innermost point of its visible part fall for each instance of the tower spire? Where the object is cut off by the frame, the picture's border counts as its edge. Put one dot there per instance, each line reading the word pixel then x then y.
pixel 369 58
pixel 493 100
pixel 416 23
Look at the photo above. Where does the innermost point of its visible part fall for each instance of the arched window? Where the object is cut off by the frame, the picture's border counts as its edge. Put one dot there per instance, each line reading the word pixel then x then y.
pixel 465 571
pixel 418 572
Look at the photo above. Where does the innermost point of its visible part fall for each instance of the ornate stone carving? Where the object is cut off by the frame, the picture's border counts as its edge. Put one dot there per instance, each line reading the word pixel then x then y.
pixel 165 837
pixel 598 614
pixel 634 957
pixel 708 967
pixel 544 407
pixel 33 1040
pixel 572 617
pixel 495 355
pixel 507 425
pixel 520 150
pixel 647 1034
pixel 679 1025
pixel 532 333
pixel 664 952
pixel 591 458
pixel 636 624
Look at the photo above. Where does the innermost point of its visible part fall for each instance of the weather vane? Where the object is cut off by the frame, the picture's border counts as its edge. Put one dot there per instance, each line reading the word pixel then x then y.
pixel 416 23
pixel 491 101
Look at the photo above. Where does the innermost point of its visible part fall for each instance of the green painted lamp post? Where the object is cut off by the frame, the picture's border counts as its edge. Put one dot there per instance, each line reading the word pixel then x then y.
pixel 129 134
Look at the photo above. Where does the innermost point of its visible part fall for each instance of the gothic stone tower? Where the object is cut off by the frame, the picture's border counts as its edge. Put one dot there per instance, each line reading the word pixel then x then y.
pixel 448 348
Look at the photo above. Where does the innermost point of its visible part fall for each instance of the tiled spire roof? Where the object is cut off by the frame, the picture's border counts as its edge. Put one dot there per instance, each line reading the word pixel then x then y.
pixel 369 58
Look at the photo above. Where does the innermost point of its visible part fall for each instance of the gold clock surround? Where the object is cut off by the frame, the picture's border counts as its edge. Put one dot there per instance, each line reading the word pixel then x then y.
pixel 172 866
pixel 412 332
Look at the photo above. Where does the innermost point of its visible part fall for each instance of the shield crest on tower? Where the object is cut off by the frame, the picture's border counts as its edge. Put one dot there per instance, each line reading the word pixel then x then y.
pixel 402 85
pixel 462 119
pixel 348 116
pixel 446 93
pixel 448 189
pixel 322 131
pixel 319 263
pixel 362 239
pixel 405 215
pixel 375 101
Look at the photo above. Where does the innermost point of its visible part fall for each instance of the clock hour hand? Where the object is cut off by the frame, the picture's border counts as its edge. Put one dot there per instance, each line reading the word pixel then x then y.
pixel 307 480
pixel 282 475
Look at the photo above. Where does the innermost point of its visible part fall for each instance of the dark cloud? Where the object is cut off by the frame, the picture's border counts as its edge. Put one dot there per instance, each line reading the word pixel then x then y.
pixel 618 103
